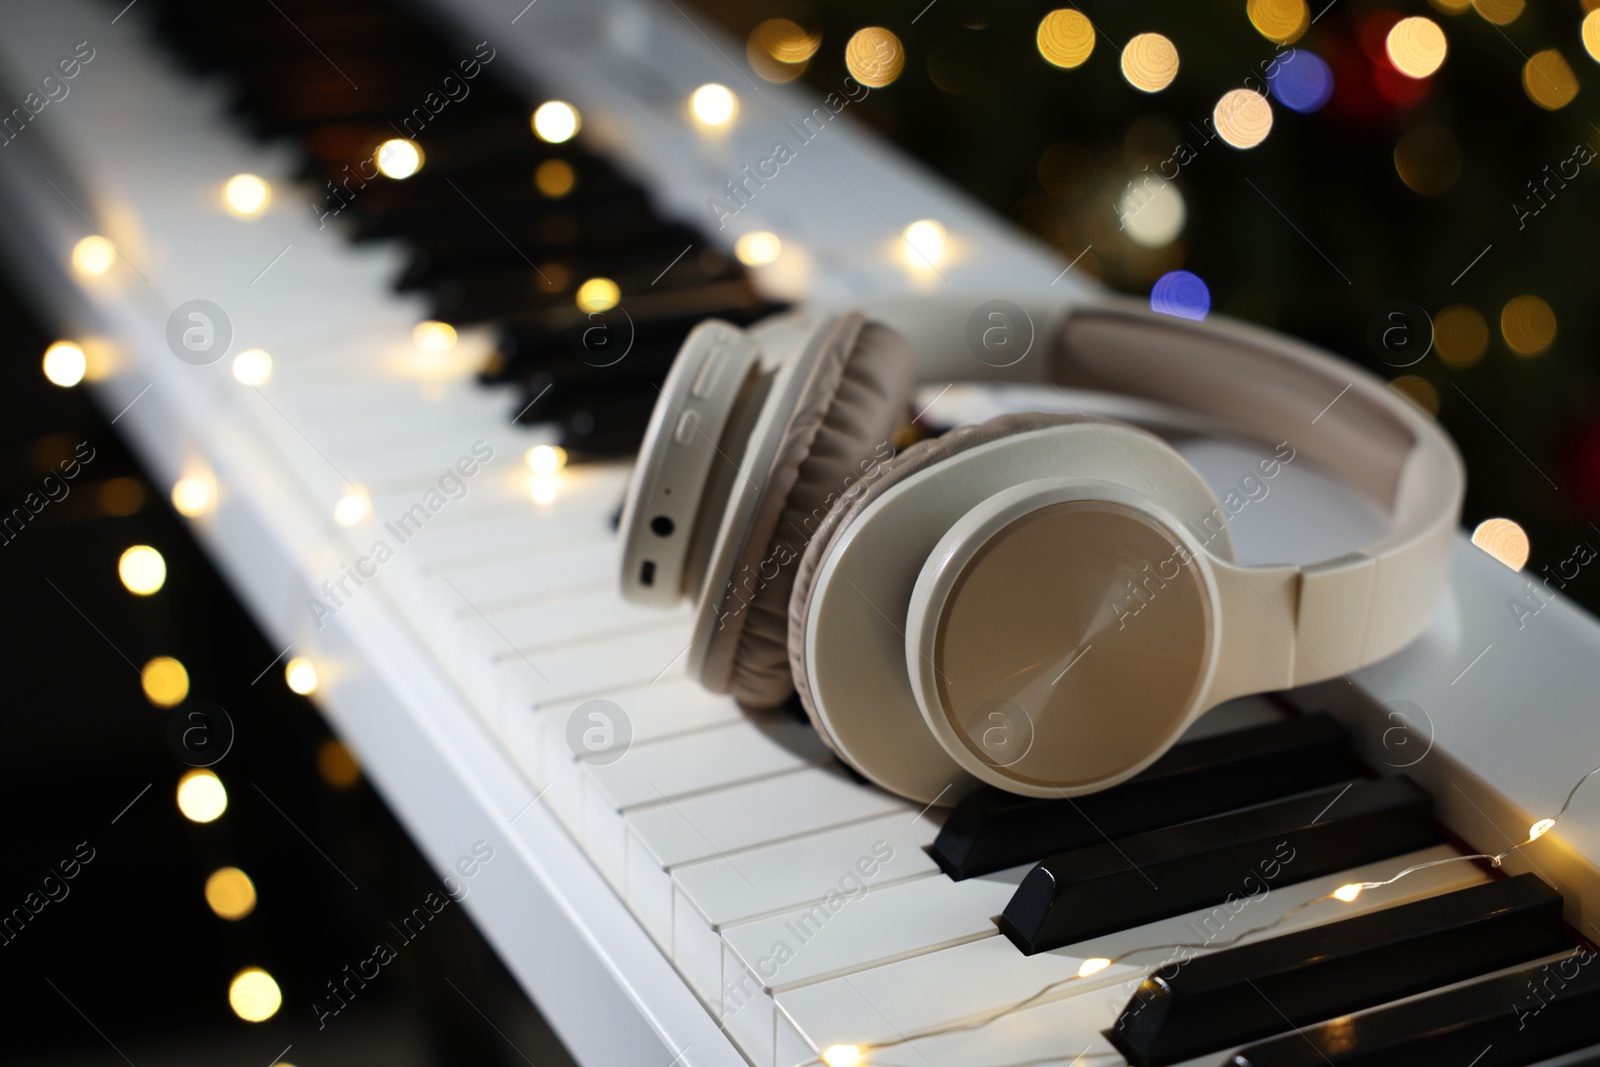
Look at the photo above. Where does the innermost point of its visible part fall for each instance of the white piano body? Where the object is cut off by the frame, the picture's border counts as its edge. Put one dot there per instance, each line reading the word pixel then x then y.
pixel 633 895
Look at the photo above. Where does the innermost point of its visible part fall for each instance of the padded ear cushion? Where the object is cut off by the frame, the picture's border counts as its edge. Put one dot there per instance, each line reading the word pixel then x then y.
pixel 840 431
pixel 918 457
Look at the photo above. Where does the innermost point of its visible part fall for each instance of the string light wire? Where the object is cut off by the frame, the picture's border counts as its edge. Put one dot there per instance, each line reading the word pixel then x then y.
pixel 1346 893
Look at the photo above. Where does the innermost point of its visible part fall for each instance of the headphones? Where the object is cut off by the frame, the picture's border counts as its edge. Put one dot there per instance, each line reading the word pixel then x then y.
pixel 1040 602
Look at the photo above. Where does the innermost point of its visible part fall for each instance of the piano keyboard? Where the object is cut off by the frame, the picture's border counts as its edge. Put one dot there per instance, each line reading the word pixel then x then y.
pixel 716 889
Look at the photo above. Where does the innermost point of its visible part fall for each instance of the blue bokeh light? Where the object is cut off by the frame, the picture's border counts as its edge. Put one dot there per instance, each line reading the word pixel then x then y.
pixel 1181 294
pixel 1301 81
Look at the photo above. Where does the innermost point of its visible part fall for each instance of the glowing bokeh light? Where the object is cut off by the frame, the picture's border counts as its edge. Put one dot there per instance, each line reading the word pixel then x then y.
pixel 1279 21
pixel 1460 336
pixel 1066 38
pixel 201 796
pixel 556 121
pixel 779 48
pixel 1301 81
pixel 65 364
pixel 1528 325
pixel 1181 294
pixel 300 676
pixel 352 507
pixel 93 256
pixel 1428 159
pixel 336 765
pixel 757 249
pixel 246 195
pixel 598 294
pixel 1591 34
pixel 1548 80
pixel 1416 46
pixel 1152 213
pixel 142 570
pixel 843 1056
pixel 555 178
pixel 545 459
pixel 432 336
pixel 254 995
pixel 924 244
pixel 713 105
pixel 165 682
pixel 1243 118
pixel 874 57
pixel 399 158
pixel 1504 540
pixel 252 367
pixel 231 893
pixel 1419 391
pixel 1499 12
pixel 192 495
pixel 1150 62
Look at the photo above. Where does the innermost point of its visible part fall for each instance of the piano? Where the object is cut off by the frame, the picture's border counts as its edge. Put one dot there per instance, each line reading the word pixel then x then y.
pixel 706 886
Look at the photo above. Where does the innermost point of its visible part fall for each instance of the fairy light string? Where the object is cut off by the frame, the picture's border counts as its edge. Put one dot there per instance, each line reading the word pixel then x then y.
pixel 856 1055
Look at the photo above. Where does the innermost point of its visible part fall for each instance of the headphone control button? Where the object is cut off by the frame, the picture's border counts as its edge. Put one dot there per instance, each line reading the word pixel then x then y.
pixel 688 426
pixel 706 380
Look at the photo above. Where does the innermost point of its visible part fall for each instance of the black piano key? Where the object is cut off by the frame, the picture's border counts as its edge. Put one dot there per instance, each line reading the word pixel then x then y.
pixel 1120 884
pixel 1509 1021
pixel 991 829
pixel 1221 1000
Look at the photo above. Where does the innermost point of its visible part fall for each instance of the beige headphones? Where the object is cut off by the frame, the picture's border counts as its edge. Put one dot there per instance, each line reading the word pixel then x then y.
pixel 1040 602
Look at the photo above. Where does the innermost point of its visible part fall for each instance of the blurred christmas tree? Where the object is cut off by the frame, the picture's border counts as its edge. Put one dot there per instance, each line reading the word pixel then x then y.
pixel 1319 167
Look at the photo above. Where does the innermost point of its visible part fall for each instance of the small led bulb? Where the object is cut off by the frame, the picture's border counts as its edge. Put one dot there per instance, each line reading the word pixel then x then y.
pixel 1347 892
pixel 1540 828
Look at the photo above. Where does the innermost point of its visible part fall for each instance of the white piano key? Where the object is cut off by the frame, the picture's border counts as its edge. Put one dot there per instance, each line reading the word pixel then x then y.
pixel 934 990
pixel 670 707
pixel 721 823
pixel 764 958
pixel 712 894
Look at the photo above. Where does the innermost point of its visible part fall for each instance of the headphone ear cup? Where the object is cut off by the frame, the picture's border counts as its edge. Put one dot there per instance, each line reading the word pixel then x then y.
pixel 918 457
pixel 841 427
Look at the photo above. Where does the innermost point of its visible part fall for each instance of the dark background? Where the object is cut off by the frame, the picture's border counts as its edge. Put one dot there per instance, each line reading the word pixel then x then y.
pixel 1313 232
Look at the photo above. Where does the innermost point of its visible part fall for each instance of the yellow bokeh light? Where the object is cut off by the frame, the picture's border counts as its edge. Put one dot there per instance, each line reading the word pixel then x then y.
pixel 121 496
pixel 924 244
pixel 556 121
pixel 1093 965
pixel 93 256
pixel 1591 34
pixel 246 195
pixel 431 336
pixel 1416 46
pixel 336 765
pixel 1150 62
pixel 201 796
pixel 1499 12
pixel 165 682
pixel 874 57
pixel 1419 391
pixel 1451 7
pixel 598 294
pixel 192 495
pixel 1504 540
pixel 778 49
pixel 1540 828
pixel 1279 21
pixel 252 367
pixel 65 364
pixel 555 178
pixel 713 104
pixel 843 1056
pixel 142 570
pixel 1347 892
pixel 1066 38
pixel 352 507
pixel 1460 336
pixel 1528 324
pixel 254 995
pixel 546 459
pixel 1243 118
pixel 757 249
pixel 1548 80
pixel 398 158
pixel 231 893
pixel 300 676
